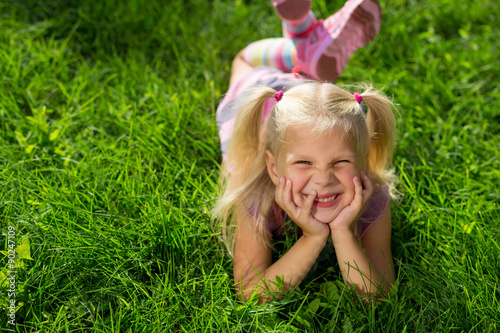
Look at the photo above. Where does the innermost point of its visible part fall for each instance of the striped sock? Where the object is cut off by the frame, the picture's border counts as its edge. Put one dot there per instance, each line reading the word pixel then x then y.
pixel 273 52
pixel 299 29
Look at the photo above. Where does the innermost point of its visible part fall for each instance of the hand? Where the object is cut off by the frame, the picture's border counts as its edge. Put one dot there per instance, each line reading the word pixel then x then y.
pixel 345 221
pixel 300 215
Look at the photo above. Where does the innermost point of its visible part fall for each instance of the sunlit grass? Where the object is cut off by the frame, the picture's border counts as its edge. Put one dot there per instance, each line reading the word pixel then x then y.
pixel 109 158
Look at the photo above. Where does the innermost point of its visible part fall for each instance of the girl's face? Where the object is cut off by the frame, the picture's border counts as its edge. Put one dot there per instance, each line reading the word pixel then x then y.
pixel 326 164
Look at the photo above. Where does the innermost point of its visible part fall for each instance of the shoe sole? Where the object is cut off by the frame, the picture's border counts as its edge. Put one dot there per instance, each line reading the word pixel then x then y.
pixel 336 54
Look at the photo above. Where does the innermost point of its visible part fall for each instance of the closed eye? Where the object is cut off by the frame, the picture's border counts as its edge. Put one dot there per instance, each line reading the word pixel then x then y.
pixel 303 162
pixel 342 161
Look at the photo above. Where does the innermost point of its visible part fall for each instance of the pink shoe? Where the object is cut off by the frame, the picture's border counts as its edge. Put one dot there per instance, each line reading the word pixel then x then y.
pixel 326 51
pixel 292 10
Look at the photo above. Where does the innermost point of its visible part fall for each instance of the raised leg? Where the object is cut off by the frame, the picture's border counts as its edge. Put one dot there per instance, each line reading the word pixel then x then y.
pixel 279 53
pixel 326 51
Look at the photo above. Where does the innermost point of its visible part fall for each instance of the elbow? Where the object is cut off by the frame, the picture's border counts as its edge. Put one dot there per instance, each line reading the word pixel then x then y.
pixel 244 293
pixel 386 285
pixel 251 293
pixel 374 292
pixel 258 292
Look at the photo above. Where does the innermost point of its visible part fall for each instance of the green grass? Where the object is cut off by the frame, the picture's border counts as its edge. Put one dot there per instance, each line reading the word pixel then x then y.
pixel 109 156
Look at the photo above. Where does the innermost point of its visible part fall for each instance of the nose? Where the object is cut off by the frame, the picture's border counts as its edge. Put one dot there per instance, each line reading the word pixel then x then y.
pixel 324 177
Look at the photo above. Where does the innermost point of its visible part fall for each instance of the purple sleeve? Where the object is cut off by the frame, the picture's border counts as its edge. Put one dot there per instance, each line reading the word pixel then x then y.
pixel 273 223
pixel 375 207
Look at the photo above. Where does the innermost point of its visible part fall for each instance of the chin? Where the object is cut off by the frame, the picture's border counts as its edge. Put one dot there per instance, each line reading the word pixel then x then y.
pixel 325 217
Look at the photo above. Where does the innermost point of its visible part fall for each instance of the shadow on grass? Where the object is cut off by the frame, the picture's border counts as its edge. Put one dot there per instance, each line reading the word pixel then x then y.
pixel 115 27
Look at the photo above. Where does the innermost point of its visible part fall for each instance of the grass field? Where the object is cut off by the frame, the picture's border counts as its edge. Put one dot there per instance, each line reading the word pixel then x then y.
pixel 109 157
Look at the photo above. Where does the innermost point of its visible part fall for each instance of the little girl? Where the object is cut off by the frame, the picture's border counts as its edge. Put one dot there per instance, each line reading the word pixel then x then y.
pixel 314 154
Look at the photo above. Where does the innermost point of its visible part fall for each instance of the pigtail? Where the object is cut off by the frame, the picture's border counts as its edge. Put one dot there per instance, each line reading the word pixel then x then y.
pixel 244 174
pixel 381 125
pixel 246 139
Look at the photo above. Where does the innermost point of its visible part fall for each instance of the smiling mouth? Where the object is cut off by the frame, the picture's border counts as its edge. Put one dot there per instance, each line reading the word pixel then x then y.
pixel 328 199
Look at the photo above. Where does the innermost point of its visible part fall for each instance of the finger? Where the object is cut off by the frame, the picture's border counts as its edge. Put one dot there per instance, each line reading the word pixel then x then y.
pixel 358 192
pixel 367 185
pixel 285 201
pixel 308 204
pixel 278 195
pixel 287 193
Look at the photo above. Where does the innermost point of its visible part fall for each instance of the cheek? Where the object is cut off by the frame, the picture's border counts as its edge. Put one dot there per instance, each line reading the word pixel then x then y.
pixel 299 182
pixel 349 184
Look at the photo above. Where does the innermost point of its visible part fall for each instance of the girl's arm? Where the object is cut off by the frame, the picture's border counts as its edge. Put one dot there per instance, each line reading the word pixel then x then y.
pixel 254 270
pixel 367 264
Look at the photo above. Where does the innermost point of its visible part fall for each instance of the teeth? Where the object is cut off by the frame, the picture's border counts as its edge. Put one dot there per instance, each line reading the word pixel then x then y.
pixel 327 199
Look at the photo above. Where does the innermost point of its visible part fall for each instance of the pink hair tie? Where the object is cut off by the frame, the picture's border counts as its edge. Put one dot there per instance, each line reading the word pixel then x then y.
pixel 359 98
pixel 278 95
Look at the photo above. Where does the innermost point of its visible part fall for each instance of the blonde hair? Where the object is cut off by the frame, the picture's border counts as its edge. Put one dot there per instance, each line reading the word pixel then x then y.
pixel 244 183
